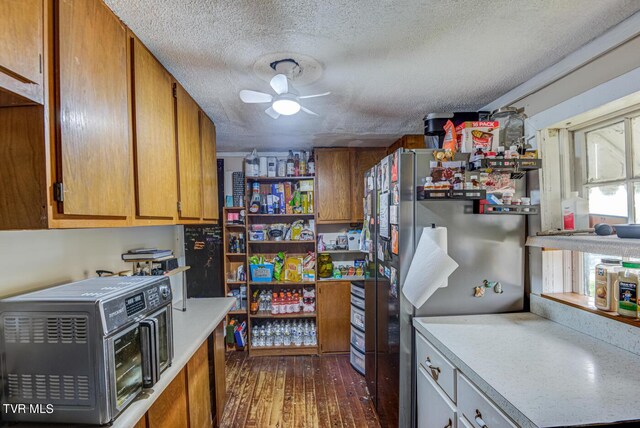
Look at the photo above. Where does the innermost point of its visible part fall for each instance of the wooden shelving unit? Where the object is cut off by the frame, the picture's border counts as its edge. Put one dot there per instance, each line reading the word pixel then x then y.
pixel 269 248
pixel 232 261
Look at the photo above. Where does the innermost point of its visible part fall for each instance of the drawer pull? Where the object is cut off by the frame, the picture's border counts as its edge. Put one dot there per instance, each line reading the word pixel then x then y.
pixel 449 425
pixel 479 420
pixel 435 371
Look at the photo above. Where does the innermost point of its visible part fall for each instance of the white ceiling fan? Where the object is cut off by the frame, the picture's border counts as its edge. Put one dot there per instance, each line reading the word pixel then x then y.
pixel 286 101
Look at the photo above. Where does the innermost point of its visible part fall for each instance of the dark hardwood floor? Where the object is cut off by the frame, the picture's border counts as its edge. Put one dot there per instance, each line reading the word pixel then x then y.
pixel 295 392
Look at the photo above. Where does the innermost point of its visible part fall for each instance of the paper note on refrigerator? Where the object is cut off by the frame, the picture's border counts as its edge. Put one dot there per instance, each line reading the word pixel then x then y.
pixel 430 267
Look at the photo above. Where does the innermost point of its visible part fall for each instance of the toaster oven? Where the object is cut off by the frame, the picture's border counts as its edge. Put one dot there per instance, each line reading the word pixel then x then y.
pixel 85 350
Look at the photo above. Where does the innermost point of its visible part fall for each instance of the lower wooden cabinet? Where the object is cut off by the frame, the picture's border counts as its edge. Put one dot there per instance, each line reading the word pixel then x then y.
pixel 334 316
pixel 193 399
pixel 198 388
pixel 170 409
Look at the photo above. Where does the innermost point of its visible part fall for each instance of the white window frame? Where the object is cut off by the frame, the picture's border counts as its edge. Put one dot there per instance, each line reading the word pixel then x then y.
pixel 578 180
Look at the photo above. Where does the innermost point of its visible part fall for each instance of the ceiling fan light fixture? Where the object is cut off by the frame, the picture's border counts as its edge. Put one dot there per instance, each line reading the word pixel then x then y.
pixel 286 107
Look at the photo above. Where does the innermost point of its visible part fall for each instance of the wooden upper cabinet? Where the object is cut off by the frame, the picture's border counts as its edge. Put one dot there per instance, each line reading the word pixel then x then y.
pixel 94 147
pixel 362 159
pixel 334 315
pixel 154 135
pixel 333 177
pixel 189 155
pixel 21 49
pixel 209 169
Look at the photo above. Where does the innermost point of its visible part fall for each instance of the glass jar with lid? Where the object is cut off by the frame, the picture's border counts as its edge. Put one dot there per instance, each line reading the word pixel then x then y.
pixel 325 265
pixel 511 120
pixel 628 289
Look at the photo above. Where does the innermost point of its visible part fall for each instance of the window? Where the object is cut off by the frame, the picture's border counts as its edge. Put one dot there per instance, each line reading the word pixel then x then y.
pixel 606 171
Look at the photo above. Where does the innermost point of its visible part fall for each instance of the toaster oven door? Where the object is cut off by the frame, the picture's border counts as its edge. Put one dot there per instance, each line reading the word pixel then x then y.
pixel 126 360
pixel 164 336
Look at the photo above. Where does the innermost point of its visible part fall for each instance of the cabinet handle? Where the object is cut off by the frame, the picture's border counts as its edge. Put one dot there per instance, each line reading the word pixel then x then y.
pixel 449 425
pixel 479 420
pixel 435 371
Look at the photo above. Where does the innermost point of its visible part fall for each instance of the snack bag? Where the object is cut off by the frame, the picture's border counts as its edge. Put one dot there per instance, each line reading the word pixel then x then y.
pixel 278 263
pixel 293 269
pixel 450 137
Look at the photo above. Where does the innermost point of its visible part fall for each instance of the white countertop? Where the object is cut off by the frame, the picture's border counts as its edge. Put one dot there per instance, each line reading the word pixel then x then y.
pixel 190 330
pixel 538 372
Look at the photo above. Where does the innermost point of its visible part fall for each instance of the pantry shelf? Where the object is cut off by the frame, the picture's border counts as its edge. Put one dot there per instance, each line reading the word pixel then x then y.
pixel 605 245
pixel 341 252
pixel 265 314
pixel 236 282
pixel 283 350
pixel 283 215
pixel 235 225
pixel 238 312
pixel 344 278
pixel 283 283
pixel 278 179
pixel 236 254
pixel 283 242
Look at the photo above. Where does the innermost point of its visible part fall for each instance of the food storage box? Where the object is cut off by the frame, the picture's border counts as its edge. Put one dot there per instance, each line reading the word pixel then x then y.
pixel 478 135
pixel 261 272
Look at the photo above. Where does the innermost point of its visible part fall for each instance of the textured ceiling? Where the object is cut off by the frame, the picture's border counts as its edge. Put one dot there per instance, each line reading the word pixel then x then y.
pixel 386 62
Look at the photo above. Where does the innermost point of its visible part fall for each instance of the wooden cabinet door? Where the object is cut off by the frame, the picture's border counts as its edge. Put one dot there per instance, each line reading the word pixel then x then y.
pixel 21 47
pixel 189 155
pixel 154 136
pixel 334 316
pixel 362 159
pixel 209 169
pixel 170 409
pixel 199 397
pixel 334 185
pixel 93 116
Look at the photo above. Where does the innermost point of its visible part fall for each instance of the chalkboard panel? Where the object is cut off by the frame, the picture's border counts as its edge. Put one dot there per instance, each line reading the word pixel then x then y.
pixel 203 252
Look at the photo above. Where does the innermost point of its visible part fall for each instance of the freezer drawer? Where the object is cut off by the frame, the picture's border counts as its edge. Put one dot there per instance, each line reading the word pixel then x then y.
pixel 476 407
pixel 357 360
pixel 433 362
pixel 357 291
pixel 357 338
pixel 358 302
pixel 357 317
pixel 435 410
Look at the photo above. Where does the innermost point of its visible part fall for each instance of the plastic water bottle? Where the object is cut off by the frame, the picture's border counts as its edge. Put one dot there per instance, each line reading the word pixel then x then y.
pixel 277 335
pixel 286 334
pixel 313 341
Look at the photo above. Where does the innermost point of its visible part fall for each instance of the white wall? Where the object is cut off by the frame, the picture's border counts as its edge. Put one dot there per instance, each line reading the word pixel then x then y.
pixel 36 259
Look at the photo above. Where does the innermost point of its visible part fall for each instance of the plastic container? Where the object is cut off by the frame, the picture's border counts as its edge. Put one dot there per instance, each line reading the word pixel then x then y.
pixel 575 212
pixel 606 279
pixel 628 289
pixel 511 122
pixel 261 272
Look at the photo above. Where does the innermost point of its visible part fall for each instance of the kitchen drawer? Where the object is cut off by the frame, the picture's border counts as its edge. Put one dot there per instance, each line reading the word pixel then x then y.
pixel 357 317
pixel 357 338
pixel 435 410
pixel 357 291
pixel 357 301
pixel 477 408
pixel 357 360
pixel 441 370
pixel 464 423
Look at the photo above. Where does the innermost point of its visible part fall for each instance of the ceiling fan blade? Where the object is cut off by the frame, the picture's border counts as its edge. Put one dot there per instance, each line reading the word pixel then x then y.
pixel 251 97
pixel 279 84
pixel 315 95
pixel 271 112
pixel 306 110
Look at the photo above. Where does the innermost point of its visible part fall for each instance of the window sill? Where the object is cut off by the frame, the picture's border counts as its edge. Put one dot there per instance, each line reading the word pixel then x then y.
pixel 585 303
pixel 605 245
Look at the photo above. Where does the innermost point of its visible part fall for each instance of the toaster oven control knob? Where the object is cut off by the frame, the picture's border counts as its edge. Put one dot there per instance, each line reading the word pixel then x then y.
pixel 165 292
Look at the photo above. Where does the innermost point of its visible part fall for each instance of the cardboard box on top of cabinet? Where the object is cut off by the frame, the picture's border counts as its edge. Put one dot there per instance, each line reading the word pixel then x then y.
pixel 478 134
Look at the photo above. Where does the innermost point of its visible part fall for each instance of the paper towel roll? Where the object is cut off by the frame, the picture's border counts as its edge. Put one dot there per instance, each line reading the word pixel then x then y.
pixel 263 166
pixel 430 267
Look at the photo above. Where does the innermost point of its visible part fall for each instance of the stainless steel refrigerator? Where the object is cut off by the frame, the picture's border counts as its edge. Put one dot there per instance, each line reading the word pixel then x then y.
pixel 486 247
